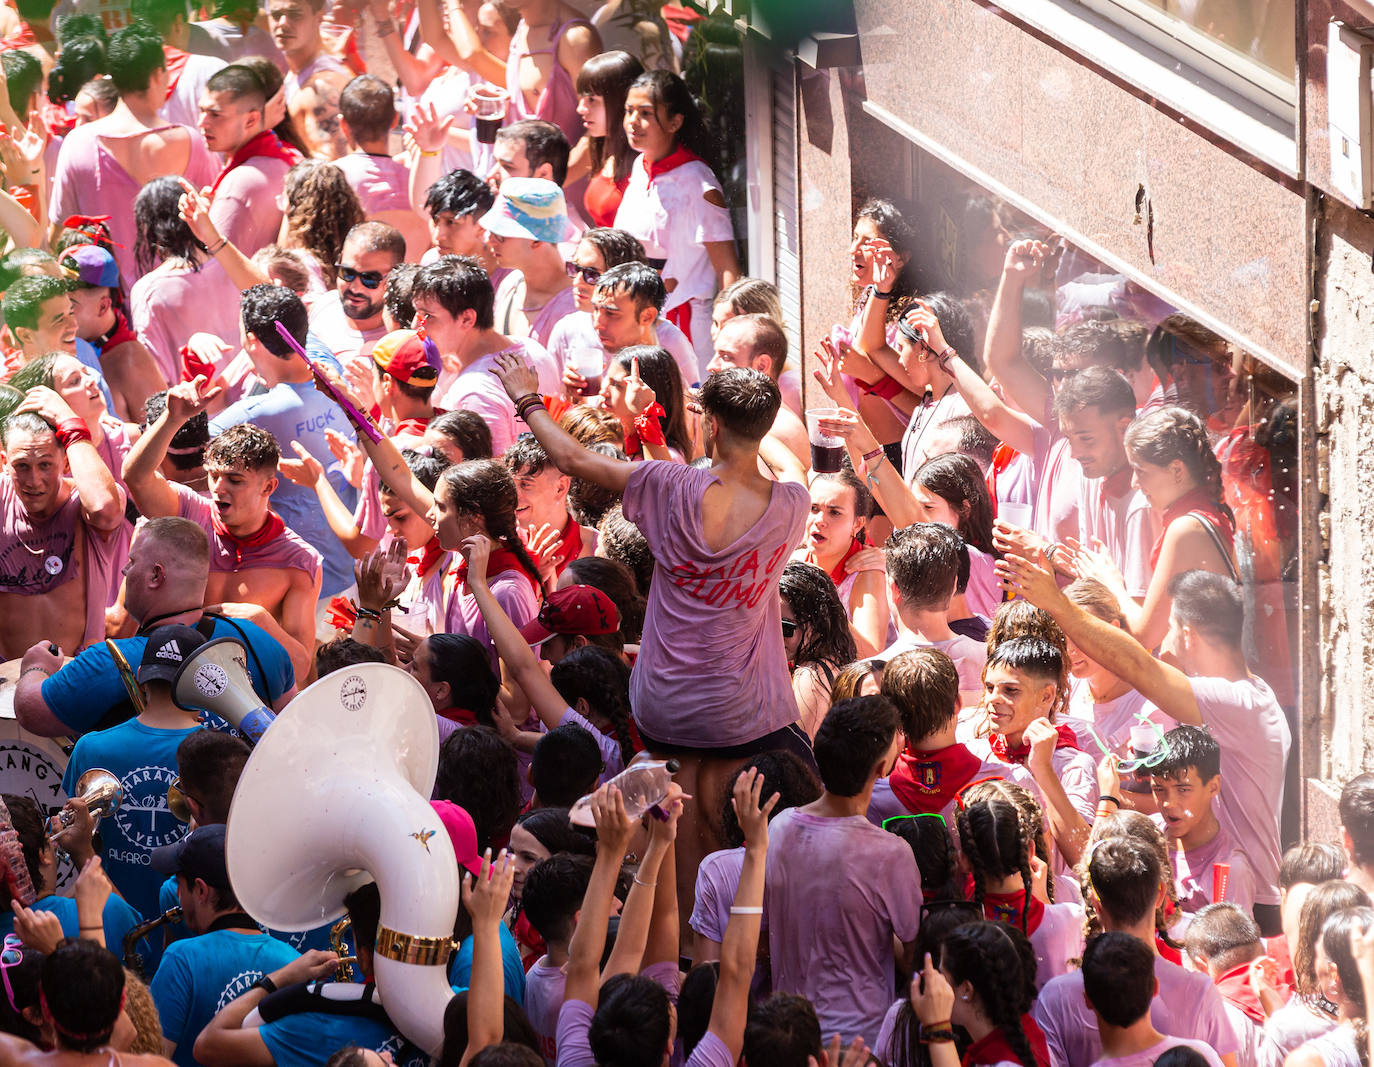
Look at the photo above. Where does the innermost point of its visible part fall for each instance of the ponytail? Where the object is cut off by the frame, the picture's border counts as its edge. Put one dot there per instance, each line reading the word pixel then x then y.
pixel 1166 434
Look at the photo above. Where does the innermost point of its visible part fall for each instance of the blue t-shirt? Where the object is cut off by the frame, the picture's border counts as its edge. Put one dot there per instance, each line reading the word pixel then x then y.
pixel 297 411
pixel 117 918
pixel 89 355
pixel 88 688
pixel 301 942
pixel 309 1038
pixel 200 975
pixel 144 759
pixel 460 967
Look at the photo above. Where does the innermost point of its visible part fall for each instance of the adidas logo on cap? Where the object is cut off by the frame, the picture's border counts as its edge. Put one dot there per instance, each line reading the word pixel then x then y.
pixel 171 650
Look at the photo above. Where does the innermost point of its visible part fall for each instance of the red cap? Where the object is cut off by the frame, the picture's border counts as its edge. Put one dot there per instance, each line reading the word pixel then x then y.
pixel 462 831
pixel 405 355
pixel 578 609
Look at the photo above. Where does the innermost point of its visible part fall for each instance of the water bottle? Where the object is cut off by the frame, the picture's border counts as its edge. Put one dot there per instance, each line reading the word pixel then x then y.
pixel 643 784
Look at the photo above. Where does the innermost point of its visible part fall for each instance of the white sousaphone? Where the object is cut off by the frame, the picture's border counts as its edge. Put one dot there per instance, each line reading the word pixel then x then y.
pixel 336 794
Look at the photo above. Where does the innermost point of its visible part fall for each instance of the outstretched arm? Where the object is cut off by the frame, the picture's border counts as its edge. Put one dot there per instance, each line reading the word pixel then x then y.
pixel 1159 682
pixel 1002 349
pixel 613 832
pixel 485 898
pixel 567 453
pixel 153 494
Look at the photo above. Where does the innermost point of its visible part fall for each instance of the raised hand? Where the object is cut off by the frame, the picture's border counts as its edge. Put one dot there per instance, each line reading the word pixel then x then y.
pixel 517 376
pixel 204 354
pixel 885 266
pixel 185 400
pixel 542 542
pixel 1042 737
pixel 639 396
pixel 39 930
pixel 477 551
pixel 932 998
pixel 829 372
pixel 927 324
pixel 351 458
pixel 664 831
pixel 614 828
pixel 1025 260
pixel 362 380
pixel 427 129
pixel 867 559
pixel 305 470
pixel 751 811
pixel 1032 579
pixel 93 889
pixel 47 404
pixel 194 210
pixel 487 894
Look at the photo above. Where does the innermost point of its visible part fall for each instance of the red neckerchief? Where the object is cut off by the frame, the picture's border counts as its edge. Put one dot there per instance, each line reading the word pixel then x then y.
pixel 272 527
pixel 176 63
pixel 837 574
pixel 569 545
pixel 1276 948
pixel 119 332
pixel 926 782
pixel 679 20
pixel 527 938
pixel 1168 951
pixel 1067 739
pixel 674 159
pixel 266 144
pixel 1002 456
pixel 461 716
pixel 500 561
pixel 1195 500
pixel 412 427
pixel 1114 486
pixel 428 557
pixel 1006 908
pixel 1234 987
pixel 20 38
pixel 994 1048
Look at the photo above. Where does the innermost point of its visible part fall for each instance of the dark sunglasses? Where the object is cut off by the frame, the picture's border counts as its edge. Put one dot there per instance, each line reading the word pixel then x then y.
pixel 589 274
pixel 371 279
pixel 788 628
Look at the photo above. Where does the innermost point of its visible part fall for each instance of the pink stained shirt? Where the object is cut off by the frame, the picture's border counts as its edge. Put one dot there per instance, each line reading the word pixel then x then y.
pixel 1252 730
pixel 27 547
pixel 831 923
pixel 1193 873
pixel 576 331
pixel 1110 720
pixel 90 181
pixel 245 206
pixel 1058 939
pixel 968 655
pixel 476 388
pixel 381 182
pixel 288 550
pixel 511 589
pixel 729 684
pixel 1076 771
pixel 1110 511
pixel 562 304
pixel 717 884
pixel 544 985
pixel 167 305
pixel 1146 1057
pixel 982 594
pixel 338 332
pixel 1187 1005
pixel 1058 477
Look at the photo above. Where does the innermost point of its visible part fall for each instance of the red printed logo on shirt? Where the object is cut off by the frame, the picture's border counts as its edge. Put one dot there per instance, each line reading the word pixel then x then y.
pixel 743 580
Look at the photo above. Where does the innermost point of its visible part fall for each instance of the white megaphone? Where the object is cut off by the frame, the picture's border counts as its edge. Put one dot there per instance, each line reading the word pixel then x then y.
pixel 336 795
pixel 215 679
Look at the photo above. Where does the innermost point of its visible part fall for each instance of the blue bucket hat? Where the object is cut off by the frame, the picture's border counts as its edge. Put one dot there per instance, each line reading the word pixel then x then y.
pixel 532 208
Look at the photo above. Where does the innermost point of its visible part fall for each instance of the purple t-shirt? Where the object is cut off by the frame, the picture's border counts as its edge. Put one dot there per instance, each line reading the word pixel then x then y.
pixel 729 684
pixel 381 182
pixel 512 589
pixel 245 206
pixel 575 1021
pixel 717 884
pixel 544 985
pixel 166 306
pixel 968 655
pixel 1187 1005
pixel 1253 733
pixel 1193 873
pixel 831 922
pixel 1146 1057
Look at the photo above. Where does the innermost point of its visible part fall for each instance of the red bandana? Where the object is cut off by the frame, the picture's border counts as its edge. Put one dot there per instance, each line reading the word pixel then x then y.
pixel 176 64
pixel 1002 456
pixel 1234 987
pixel 119 334
pixel 995 1049
pixel 272 528
pixel 20 38
pixel 569 545
pixel 266 144
pixel 837 574
pixel 1006 908
pixel 428 557
pixel 926 782
pixel 1067 739
pixel 1194 502
pixel 461 716
pixel 501 560
pixel 412 427
pixel 677 158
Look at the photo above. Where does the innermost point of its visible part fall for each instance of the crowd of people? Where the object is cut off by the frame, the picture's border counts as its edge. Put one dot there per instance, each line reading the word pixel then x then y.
pixel 944 719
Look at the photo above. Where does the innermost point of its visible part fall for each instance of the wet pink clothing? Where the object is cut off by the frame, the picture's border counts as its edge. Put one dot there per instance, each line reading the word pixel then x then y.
pixel 558 99
pixel 167 305
pixel 560 306
pixel 322 63
pixel 382 183
pixel 37 557
pixel 289 550
pixel 245 206
pixel 90 181
pixel 513 590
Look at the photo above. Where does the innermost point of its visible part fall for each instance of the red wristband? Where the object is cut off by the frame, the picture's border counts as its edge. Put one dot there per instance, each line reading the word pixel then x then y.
pixel 71 430
pixel 886 387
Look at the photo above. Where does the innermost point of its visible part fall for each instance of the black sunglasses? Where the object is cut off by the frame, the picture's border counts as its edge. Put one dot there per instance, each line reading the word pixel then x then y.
pixel 589 274
pixel 788 628
pixel 370 278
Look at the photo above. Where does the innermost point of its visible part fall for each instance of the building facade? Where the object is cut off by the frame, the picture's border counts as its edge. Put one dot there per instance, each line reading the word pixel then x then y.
pixel 1185 155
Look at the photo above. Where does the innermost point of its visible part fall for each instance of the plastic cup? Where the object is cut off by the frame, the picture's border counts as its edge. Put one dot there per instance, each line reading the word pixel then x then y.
pixel 589 362
pixel 1144 740
pixel 1015 514
pixel 827 452
pixel 490 104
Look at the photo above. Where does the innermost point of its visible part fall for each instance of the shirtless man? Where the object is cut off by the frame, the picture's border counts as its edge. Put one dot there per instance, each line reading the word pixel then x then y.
pixel 720 539
pixel 102 165
pixel 314 79
pixel 55 528
pixel 757 342
pixel 254 557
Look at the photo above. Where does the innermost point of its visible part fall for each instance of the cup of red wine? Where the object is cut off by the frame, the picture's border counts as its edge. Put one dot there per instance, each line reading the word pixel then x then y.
pixel 589 363
pixel 827 451
pixel 490 104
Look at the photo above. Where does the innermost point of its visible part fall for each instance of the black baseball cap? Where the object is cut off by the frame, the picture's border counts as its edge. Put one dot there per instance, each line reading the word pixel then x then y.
pixel 166 651
pixel 200 854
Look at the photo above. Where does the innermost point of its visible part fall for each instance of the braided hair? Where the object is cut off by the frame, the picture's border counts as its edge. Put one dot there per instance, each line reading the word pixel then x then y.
pixel 484 487
pixel 997 845
pixel 1032 815
pixel 815 604
pixel 1166 434
pixel 602 679
pixel 988 956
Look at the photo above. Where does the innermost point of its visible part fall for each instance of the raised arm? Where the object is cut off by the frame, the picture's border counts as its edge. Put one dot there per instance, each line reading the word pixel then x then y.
pixel 458 43
pixel 485 898
pixel 428 132
pixel 195 212
pixel 102 503
pixel 567 453
pixel 641 910
pixel 739 949
pixel 613 832
pixel 153 494
pixel 1159 682
pixel 414 71
pixel 309 472
pixel 1002 349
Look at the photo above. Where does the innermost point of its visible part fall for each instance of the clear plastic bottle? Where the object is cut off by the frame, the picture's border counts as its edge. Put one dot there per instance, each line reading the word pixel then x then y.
pixel 643 784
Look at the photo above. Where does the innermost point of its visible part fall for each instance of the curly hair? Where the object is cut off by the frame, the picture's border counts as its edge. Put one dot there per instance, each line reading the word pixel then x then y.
pixel 898 231
pixel 996 843
pixel 160 232
pixel 1326 900
pixel 958 480
pixel 815 604
pixel 1173 433
pixel 479 772
pixel 784 773
pixel 621 540
pixel 484 487
pixel 602 679
pixel 321 207
pixel 989 956
pixel 138 1002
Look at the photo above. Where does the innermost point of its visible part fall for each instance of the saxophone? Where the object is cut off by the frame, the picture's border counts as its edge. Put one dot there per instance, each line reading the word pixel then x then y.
pixel 133 959
pixel 336 942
